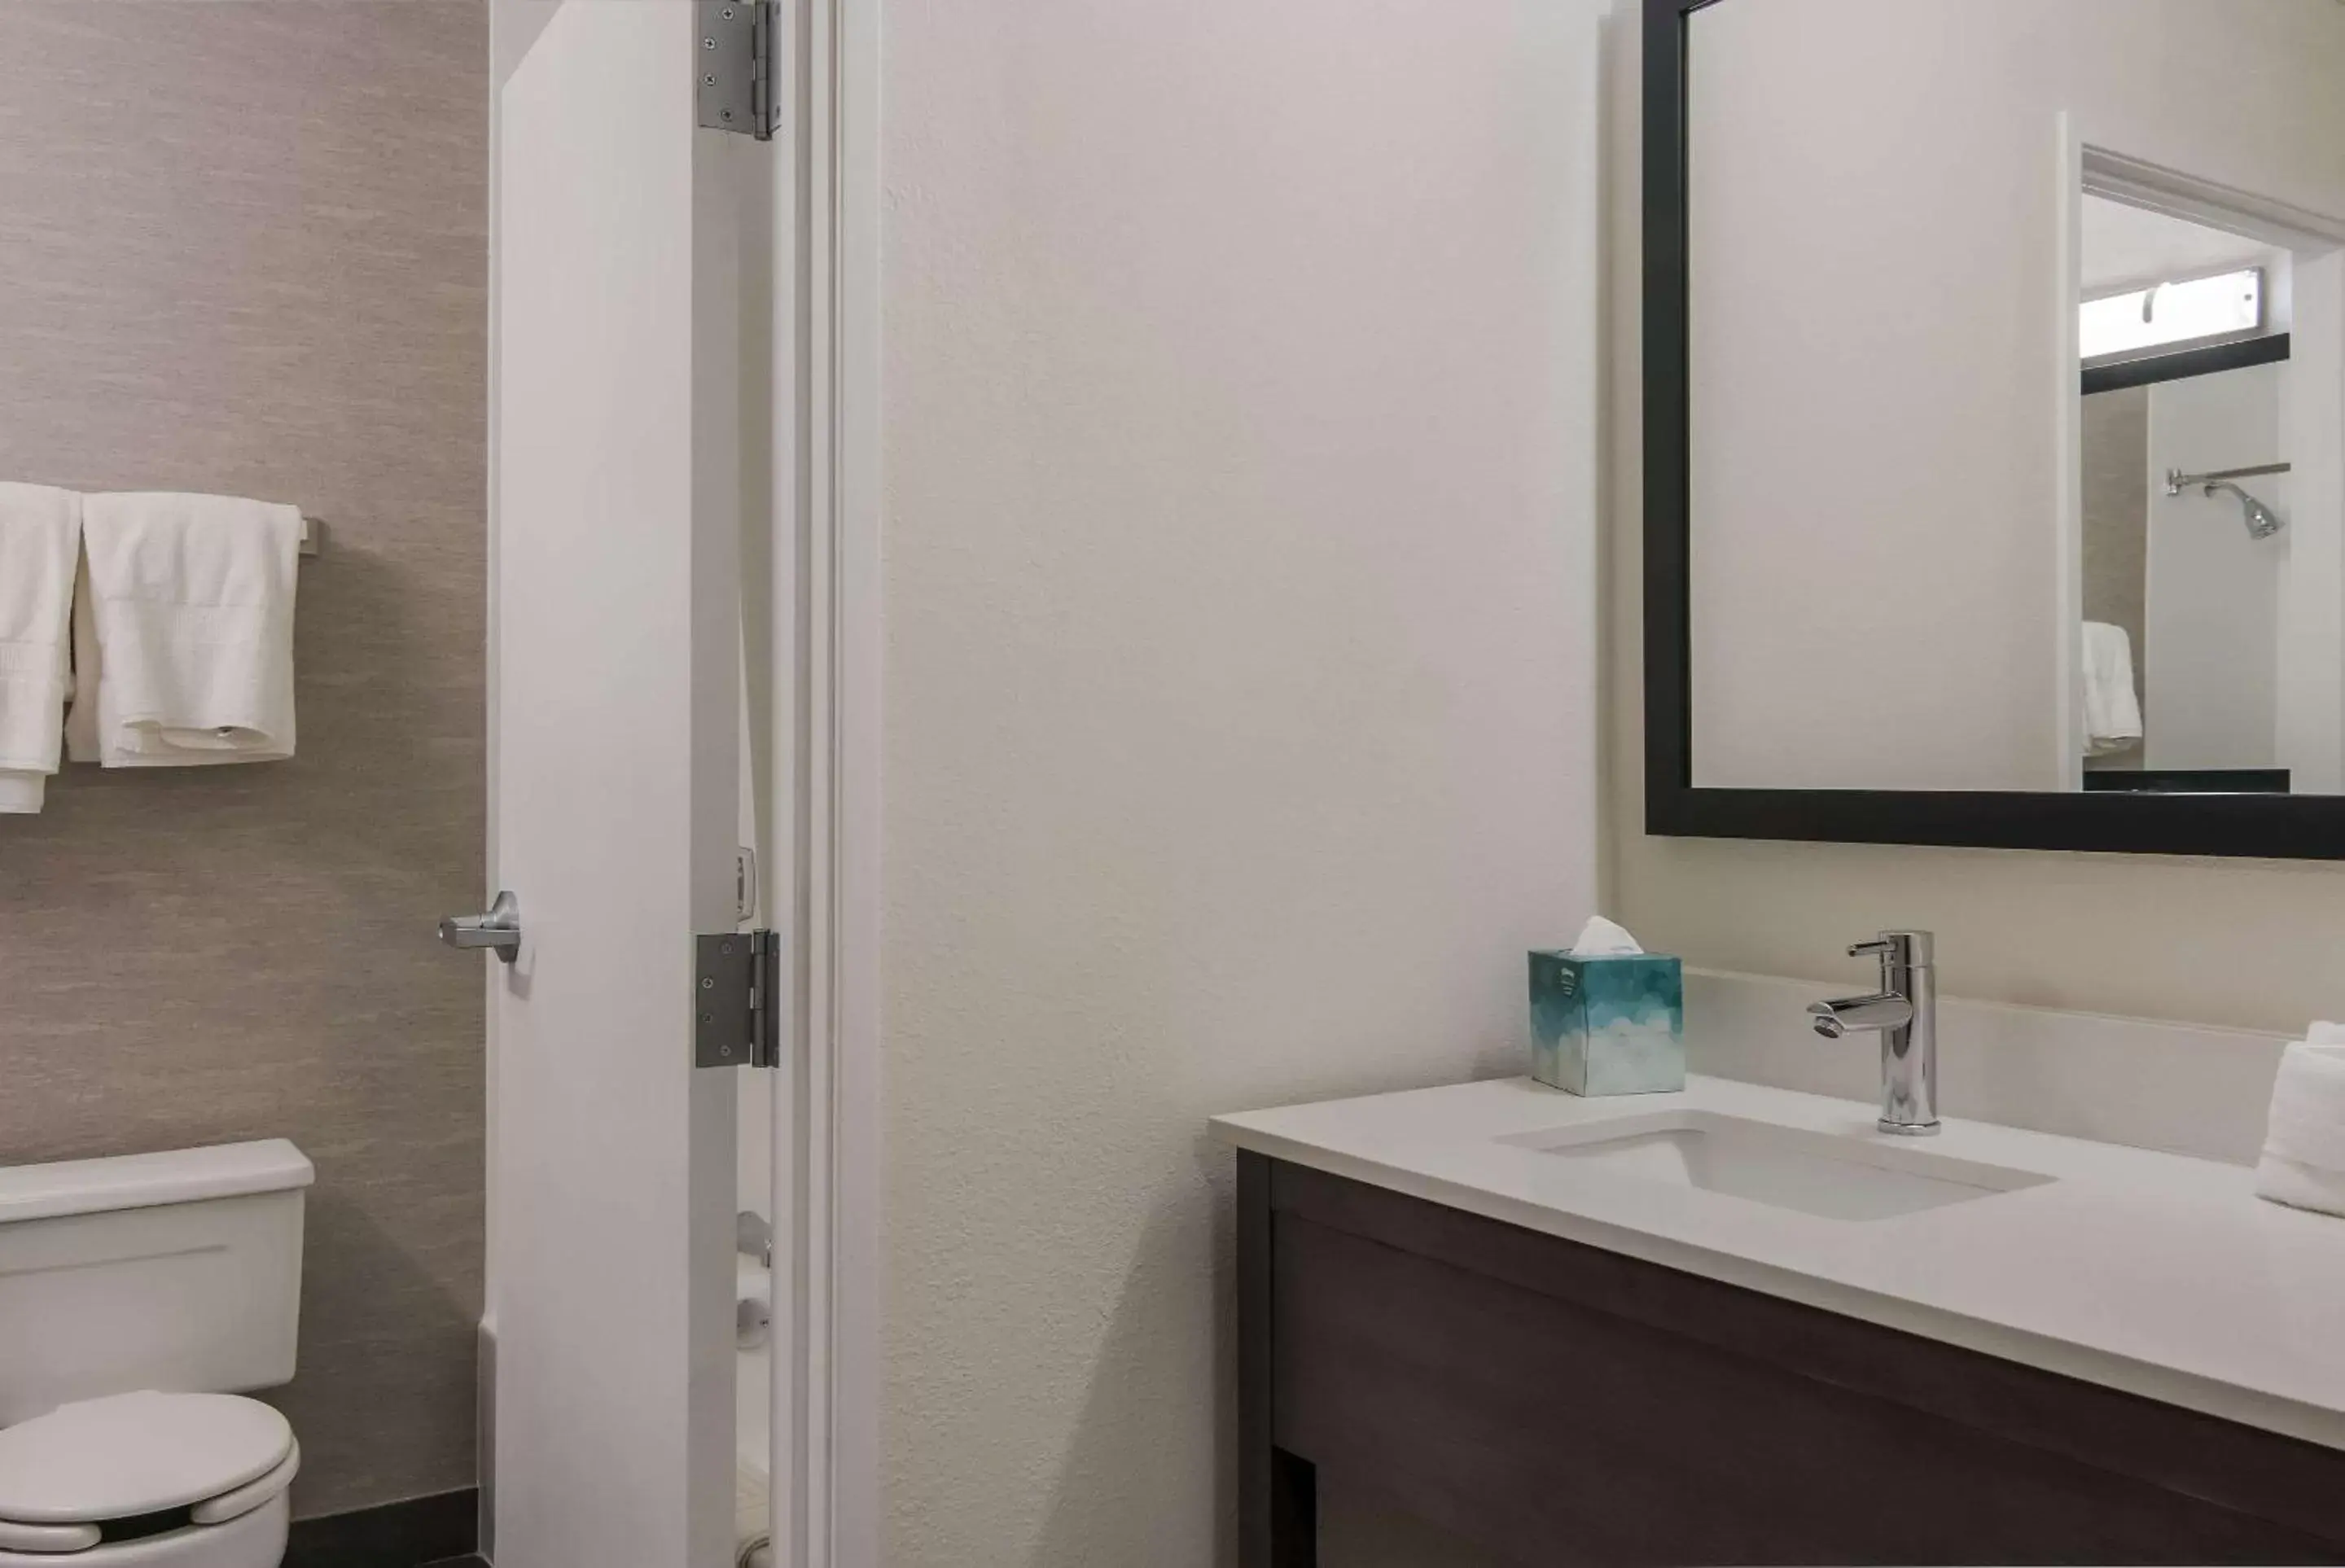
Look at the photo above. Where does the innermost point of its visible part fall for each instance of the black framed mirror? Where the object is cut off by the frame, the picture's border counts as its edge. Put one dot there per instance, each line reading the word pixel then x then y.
pixel 1995 424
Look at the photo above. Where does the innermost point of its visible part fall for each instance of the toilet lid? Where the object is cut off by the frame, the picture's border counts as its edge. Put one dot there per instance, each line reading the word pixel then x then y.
pixel 135 1454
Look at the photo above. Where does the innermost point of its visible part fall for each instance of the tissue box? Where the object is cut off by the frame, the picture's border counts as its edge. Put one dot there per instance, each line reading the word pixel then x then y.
pixel 1611 1024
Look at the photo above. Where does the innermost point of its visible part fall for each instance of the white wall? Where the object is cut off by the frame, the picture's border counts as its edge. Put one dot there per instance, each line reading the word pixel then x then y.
pixel 2248 944
pixel 2209 667
pixel 1240 678
pixel 1879 324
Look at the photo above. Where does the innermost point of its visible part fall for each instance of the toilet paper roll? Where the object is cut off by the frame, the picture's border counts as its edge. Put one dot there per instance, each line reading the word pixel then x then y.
pixel 752 1507
pixel 753 1311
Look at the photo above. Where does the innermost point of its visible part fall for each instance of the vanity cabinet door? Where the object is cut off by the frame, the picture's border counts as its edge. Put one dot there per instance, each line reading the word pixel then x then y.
pixel 1562 1405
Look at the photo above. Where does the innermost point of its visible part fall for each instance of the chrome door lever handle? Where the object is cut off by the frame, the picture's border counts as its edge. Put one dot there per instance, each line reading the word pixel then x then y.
pixel 500 928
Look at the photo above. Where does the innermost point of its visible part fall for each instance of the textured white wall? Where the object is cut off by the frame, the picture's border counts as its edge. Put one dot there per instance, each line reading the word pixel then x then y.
pixel 1240 678
pixel 2248 944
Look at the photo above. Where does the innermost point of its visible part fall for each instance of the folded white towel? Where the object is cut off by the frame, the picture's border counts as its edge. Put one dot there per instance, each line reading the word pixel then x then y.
pixel 186 657
pixel 2304 1144
pixel 40 544
pixel 2112 711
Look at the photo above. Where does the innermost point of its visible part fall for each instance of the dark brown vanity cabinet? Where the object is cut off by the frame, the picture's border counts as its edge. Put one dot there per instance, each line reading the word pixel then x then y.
pixel 1559 1404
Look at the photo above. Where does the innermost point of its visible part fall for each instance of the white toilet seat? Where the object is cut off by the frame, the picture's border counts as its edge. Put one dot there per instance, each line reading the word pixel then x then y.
pixel 48 1539
pixel 66 1475
pixel 254 1540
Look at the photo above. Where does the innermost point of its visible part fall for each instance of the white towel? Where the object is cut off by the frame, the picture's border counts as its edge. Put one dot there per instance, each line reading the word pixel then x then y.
pixel 40 543
pixel 2112 712
pixel 184 633
pixel 2304 1142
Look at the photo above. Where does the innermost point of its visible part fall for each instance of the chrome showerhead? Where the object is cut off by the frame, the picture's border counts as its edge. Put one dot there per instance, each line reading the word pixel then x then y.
pixel 2262 520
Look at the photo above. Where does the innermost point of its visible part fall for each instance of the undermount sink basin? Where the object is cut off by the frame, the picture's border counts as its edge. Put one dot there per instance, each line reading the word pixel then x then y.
pixel 1787 1168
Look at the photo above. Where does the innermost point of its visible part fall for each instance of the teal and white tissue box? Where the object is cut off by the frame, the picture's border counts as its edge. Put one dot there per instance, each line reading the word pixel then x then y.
pixel 1610 1024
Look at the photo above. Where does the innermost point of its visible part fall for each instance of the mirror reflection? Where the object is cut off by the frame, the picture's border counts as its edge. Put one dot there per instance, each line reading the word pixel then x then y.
pixel 2017 421
pixel 2186 496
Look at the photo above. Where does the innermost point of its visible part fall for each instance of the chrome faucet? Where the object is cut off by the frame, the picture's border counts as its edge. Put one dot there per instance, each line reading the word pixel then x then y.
pixel 1905 1012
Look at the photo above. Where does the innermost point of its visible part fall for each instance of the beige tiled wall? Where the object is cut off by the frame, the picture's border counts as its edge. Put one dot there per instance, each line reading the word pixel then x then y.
pixel 242 248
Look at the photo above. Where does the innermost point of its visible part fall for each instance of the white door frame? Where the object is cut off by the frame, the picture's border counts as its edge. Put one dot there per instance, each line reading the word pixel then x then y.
pixel 826 782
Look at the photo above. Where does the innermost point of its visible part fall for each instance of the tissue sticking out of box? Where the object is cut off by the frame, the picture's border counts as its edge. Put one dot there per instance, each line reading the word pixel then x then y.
pixel 1600 938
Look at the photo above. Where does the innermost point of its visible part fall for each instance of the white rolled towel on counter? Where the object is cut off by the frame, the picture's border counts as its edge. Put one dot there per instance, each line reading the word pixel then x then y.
pixel 2303 1165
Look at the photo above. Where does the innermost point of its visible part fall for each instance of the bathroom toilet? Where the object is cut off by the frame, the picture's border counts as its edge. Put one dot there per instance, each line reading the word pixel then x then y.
pixel 140 1297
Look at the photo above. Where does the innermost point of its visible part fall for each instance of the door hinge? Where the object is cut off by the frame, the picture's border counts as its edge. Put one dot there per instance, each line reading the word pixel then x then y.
pixel 737 1000
pixel 739 76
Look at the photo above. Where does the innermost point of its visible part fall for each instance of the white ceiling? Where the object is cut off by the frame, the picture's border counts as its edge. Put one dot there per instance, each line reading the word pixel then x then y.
pixel 2129 247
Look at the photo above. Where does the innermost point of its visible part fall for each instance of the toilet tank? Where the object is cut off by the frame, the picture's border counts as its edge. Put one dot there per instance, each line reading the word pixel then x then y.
pixel 178 1271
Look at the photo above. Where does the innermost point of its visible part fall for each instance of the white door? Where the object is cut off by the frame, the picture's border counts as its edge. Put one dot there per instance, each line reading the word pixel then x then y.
pixel 613 710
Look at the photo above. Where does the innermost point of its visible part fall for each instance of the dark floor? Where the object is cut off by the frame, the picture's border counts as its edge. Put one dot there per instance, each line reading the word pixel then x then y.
pixel 435 1532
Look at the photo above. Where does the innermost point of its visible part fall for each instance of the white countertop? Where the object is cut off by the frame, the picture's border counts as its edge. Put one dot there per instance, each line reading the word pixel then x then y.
pixel 2155 1273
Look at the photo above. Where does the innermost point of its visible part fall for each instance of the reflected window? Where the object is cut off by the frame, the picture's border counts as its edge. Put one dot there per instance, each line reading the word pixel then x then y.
pixel 2169 315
